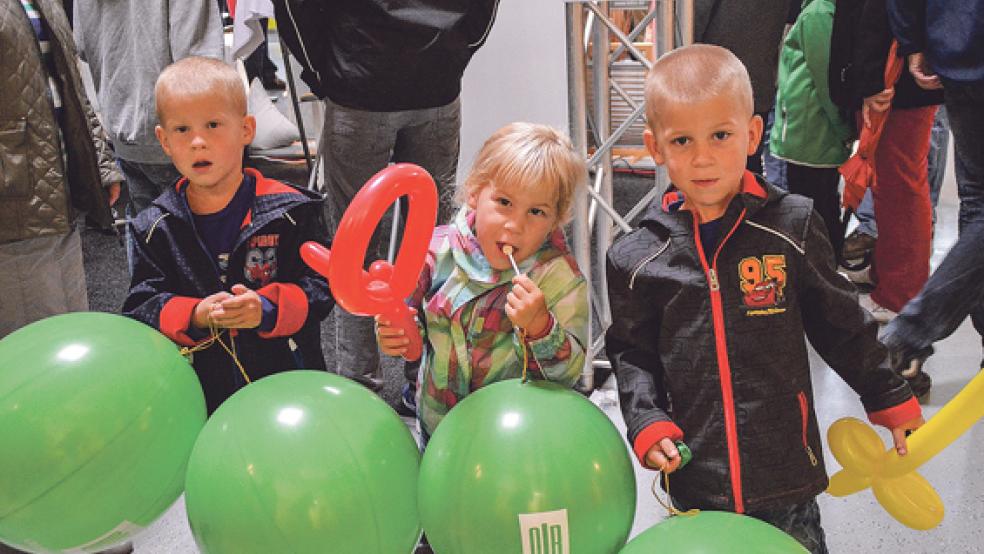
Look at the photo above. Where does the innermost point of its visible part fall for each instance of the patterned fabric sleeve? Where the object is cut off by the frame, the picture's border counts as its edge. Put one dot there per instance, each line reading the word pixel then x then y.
pixel 559 355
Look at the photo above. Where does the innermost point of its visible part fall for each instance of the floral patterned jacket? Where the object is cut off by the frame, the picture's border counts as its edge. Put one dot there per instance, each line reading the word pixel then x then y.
pixel 469 340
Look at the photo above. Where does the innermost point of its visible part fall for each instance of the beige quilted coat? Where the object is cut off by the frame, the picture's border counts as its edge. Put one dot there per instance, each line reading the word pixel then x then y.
pixel 40 194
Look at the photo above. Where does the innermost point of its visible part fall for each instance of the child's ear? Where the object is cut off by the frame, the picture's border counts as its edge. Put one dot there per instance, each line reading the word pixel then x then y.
pixel 162 138
pixel 755 129
pixel 472 200
pixel 249 129
pixel 650 141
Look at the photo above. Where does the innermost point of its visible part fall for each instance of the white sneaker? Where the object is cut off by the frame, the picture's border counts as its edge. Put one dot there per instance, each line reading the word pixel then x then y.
pixel 881 314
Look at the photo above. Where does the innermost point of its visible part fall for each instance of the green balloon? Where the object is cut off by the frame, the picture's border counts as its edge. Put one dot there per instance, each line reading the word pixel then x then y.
pixel 532 465
pixel 304 461
pixel 98 414
pixel 713 533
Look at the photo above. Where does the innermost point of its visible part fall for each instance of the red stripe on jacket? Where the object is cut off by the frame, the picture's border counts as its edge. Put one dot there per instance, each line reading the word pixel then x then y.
pixel 292 308
pixel 175 318
pixel 897 415
pixel 653 434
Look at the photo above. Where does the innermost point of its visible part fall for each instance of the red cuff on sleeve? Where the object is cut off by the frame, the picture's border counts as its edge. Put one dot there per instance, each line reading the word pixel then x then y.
pixel 292 308
pixel 175 318
pixel 652 435
pixel 897 415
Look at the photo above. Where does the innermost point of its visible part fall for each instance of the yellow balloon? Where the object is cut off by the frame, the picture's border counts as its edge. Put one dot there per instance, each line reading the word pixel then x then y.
pixel 904 494
pixel 911 500
pixel 953 420
pixel 856 446
pixel 846 482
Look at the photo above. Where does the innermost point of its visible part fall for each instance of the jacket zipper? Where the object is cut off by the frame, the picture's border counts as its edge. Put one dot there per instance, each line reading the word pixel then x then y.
pixel 805 415
pixel 785 122
pixel 645 261
pixel 724 365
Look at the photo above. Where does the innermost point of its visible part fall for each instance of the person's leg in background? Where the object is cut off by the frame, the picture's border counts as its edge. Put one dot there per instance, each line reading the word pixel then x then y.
pixel 939 142
pixel 902 209
pixel 819 184
pixel 431 139
pixel 144 183
pixel 41 277
pixel 356 144
pixel 775 169
pixel 965 110
pixel 862 238
pixel 956 288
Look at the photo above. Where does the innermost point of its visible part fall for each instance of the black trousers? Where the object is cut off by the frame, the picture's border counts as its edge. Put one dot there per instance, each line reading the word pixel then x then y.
pixel 820 184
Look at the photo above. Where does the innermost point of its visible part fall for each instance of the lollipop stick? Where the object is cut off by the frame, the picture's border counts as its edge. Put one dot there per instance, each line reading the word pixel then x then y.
pixel 508 251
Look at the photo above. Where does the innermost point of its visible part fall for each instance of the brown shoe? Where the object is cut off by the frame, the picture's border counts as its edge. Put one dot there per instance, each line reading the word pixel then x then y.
pixel 857 244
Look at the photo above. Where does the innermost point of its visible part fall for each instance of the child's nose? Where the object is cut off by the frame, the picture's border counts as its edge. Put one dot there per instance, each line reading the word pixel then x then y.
pixel 514 224
pixel 197 141
pixel 702 155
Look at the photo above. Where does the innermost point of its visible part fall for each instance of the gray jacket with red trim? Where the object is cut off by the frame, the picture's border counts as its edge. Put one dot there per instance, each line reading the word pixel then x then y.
pixel 173 271
pixel 711 351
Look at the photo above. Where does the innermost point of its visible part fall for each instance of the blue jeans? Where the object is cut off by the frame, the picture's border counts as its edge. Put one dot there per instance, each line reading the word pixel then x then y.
pixel 800 521
pixel 144 183
pixel 775 169
pixel 956 288
pixel 939 140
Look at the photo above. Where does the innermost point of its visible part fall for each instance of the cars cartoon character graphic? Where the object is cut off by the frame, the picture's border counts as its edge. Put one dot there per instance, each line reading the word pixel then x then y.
pixel 763 280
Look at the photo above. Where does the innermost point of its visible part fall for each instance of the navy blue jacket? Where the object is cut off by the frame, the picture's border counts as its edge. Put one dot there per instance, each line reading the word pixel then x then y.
pixel 173 271
pixel 951 34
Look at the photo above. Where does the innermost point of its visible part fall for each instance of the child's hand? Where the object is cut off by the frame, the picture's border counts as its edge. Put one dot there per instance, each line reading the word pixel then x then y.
pixel 392 340
pixel 200 317
pixel 244 310
pixel 899 433
pixel 526 307
pixel 664 456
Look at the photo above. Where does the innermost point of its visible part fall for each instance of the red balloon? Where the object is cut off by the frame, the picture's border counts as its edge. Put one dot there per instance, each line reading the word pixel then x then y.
pixel 383 289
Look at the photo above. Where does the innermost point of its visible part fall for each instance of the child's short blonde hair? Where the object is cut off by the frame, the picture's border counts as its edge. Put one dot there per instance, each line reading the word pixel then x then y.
pixel 527 155
pixel 199 76
pixel 694 74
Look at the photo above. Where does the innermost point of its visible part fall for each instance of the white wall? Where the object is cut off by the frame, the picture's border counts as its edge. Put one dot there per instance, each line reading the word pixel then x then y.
pixel 520 74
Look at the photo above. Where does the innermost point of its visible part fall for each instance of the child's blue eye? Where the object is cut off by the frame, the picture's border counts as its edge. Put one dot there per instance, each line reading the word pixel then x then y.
pixel 537 211
pixel 681 141
pixel 722 135
pixel 213 124
pixel 503 201
pixel 181 129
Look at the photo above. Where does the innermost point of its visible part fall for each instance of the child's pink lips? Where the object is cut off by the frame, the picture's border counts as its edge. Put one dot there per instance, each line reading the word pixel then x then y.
pixel 703 182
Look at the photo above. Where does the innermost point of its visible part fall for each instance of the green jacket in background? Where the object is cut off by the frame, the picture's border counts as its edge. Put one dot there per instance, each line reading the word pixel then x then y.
pixel 808 129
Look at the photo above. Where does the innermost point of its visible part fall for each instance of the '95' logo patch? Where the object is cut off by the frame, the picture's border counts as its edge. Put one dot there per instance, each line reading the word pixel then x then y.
pixel 763 284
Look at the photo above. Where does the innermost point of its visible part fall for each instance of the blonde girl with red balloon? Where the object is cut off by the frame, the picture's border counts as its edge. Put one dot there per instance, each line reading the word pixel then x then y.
pixel 500 290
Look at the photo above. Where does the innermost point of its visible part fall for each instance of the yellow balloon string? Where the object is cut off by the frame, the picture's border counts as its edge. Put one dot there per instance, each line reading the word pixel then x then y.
pixel 215 336
pixel 668 504
pixel 526 359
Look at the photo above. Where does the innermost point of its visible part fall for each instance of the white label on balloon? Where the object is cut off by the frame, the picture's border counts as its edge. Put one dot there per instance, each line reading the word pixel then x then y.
pixel 544 533
pixel 111 537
